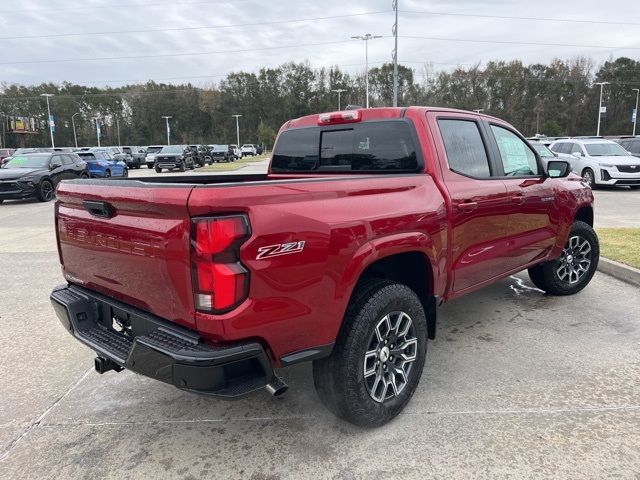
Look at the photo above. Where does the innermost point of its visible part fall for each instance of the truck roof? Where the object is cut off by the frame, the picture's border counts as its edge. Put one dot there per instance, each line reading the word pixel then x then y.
pixel 377 113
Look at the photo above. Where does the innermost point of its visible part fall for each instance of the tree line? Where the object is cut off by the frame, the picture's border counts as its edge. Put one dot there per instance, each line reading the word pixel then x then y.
pixel 559 98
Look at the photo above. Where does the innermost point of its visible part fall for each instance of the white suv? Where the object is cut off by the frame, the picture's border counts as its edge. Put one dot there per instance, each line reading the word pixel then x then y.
pixel 599 161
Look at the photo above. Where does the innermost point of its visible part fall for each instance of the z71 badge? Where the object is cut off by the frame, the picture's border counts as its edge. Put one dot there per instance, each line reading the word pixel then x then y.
pixel 280 249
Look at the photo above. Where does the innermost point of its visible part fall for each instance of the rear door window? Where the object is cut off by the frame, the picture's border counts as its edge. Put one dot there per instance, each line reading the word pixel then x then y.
pixel 386 146
pixel 465 148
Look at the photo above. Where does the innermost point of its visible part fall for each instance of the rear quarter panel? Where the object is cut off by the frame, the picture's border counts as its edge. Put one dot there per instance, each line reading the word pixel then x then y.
pixel 297 301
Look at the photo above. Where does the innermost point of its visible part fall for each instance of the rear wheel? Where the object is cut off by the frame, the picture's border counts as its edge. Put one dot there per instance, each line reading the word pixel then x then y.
pixel 183 167
pixel 378 358
pixel 45 191
pixel 158 170
pixel 84 175
pixel 125 173
pixel 589 177
pixel 149 166
pixel 574 269
pixel 107 174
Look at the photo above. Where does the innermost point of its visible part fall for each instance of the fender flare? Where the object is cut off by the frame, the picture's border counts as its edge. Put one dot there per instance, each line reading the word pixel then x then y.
pixel 374 250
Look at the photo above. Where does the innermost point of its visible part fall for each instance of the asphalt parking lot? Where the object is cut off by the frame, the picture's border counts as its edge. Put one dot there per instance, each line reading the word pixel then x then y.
pixel 517 385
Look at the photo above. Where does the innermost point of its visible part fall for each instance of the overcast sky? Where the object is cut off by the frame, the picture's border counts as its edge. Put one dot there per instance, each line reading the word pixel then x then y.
pixel 66 37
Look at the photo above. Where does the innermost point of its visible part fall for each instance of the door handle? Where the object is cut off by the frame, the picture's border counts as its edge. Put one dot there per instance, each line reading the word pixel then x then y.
pixel 467 206
pixel 519 198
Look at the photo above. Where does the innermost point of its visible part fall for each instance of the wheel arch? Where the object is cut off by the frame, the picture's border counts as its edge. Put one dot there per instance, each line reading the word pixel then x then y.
pixel 585 214
pixel 407 259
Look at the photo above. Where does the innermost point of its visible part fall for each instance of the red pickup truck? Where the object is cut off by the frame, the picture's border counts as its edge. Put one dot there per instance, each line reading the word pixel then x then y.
pixel 366 221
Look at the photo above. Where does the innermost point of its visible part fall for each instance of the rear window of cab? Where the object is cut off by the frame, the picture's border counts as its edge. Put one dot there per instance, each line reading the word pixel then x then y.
pixel 377 147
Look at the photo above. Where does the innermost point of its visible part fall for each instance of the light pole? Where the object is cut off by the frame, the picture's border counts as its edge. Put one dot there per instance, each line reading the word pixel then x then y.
pixel 394 30
pixel 635 116
pixel 237 129
pixel 4 120
pixel 97 119
pixel 47 95
pixel 339 91
pixel 167 117
pixel 73 123
pixel 602 84
pixel 118 128
pixel 366 37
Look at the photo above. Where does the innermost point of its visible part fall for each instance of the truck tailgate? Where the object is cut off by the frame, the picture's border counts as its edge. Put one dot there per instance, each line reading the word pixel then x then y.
pixel 129 241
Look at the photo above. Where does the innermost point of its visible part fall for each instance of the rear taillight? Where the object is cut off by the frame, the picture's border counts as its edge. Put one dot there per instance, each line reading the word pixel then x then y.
pixel 220 281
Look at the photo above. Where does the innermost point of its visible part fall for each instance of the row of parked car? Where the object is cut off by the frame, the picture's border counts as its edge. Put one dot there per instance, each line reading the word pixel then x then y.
pixel 35 172
pixel 601 161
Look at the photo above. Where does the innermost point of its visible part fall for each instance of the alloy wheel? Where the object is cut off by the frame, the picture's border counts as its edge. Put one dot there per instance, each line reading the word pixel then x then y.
pixel 587 176
pixel 575 260
pixel 46 188
pixel 392 350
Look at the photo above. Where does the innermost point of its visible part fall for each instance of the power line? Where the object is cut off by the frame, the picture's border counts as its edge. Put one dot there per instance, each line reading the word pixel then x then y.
pixel 507 42
pixel 277 47
pixel 179 29
pixel 121 6
pixel 186 54
pixel 509 17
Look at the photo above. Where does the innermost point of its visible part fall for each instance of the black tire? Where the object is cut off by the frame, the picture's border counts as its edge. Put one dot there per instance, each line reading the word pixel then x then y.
pixel 547 277
pixel 589 177
pixel 125 173
pixel 149 166
pixel 158 170
pixel 183 166
pixel 340 378
pixel 46 191
pixel 1 200
pixel 84 175
pixel 107 174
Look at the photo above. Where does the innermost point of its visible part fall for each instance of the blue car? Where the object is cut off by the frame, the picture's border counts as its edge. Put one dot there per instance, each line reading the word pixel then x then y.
pixel 102 165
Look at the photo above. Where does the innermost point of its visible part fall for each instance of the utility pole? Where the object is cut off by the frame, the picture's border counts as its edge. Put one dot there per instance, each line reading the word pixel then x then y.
pixel 167 117
pixel 97 119
pixel 51 125
pixel 237 129
pixel 366 37
pixel 4 120
pixel 339 91
pixel 602 84
pixel 635 112
pixel 73 123
pixel 118 128
pixel 394 30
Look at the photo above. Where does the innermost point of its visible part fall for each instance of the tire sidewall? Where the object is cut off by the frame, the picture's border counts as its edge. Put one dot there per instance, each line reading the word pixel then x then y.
pixel 585 231
pixel 381 303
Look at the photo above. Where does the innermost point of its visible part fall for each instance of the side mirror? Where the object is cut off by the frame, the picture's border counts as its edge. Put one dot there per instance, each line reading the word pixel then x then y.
pixel 55 164
pixel 576 154
pixel 558 169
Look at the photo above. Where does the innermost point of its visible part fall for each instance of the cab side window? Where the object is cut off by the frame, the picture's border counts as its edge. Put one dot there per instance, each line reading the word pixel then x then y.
pixel 517 157
pixel 465 148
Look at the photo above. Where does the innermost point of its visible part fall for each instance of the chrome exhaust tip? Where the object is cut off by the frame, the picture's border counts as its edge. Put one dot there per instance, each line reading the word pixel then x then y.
pixel 276 386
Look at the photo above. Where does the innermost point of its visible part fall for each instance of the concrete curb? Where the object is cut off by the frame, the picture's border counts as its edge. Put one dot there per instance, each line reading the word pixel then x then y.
pixel 620 271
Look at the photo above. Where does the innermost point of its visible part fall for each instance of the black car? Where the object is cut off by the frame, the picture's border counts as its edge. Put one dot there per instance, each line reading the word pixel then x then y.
pixel 201 155
pixel 222 153
pixel 631 145
pixel 37 174
pixel 174 156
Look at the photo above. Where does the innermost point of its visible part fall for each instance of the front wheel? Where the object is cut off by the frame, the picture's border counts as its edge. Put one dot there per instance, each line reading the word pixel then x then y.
pixel 378 358
pixel 45 191
pixel 125 173
pixel 149 166
pixel 589 177
pixel 574 269
pixel 107 174
pixel 158 170
pixel 183 167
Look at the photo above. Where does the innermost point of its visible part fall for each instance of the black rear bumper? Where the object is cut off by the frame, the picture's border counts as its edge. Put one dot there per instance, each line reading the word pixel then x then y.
pixel 156 348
